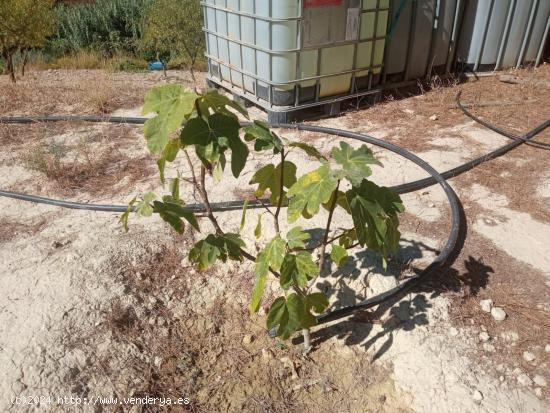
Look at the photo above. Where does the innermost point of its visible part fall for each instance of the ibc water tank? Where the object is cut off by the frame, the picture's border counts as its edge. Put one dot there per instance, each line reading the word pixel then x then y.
pixel 503 33
pixel 290 53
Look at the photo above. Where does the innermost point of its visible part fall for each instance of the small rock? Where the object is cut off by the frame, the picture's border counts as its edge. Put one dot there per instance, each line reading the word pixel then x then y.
pixel 501 379
pixel 547 348
pixel 524 380
pixel 432 205
pixel 538 392
pixel 528 356
pixel 477 396
pixel 498 313
pixel 267 354
pixel 409 111
pixel 247 339
pixel 509 336
pixel 488 347
pixel 18 387
pixel 157 361
pixel 453 332
pixel 425 192
pixel 484 337
pixel 434 117
pixel 486 305
pixel 539 380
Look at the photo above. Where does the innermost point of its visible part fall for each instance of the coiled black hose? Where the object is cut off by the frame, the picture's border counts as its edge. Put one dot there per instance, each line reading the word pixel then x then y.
pixel 435 178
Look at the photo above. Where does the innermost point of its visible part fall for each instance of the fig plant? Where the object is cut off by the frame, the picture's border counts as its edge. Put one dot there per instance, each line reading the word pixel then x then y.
pixel 208 123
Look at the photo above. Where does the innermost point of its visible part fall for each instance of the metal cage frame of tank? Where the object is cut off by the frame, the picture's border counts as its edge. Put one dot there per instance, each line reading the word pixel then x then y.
pixel 269 104
pixel 505 37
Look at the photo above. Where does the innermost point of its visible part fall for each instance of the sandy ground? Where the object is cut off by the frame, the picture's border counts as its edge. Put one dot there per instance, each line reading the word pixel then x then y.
pixel 89 310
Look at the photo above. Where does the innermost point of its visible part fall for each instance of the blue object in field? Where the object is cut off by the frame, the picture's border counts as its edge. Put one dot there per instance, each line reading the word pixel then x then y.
pixel 156 65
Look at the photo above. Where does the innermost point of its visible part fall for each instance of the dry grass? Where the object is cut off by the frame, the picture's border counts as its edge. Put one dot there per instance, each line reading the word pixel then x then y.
pixel 82 167
pixel 12 229
pixel 169 335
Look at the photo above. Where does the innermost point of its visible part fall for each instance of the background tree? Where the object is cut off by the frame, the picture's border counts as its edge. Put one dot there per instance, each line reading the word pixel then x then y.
pixel 174 28
pixel 24 25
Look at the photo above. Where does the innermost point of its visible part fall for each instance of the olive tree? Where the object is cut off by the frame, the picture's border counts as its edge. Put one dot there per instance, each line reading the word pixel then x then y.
pixel 174 27
pixel 24 25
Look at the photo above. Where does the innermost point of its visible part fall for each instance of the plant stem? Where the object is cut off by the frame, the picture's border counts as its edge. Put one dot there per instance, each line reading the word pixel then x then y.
pixel 327 230
pixel 281 196
pixel 307 341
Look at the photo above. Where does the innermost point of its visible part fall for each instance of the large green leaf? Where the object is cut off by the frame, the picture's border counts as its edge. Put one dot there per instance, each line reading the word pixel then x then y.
pixel 293 313
pixel 214 247
pixel 296 238
pixel 219 103
pixel 270 257
pixel 269 177
pixel 306 266
pixel 172 212
pixel 310 191
pixel 297 270
pixel 290 275
pixel 172 104
pixel 213 136
pixel 317 302
pixel 263 137
pixel 375 216
pixel 355 162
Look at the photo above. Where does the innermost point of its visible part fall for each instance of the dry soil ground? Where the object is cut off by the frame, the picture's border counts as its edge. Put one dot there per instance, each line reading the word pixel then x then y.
pixel 89 310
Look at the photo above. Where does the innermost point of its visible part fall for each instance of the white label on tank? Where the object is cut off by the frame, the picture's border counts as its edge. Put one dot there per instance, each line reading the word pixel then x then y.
pixel 352 26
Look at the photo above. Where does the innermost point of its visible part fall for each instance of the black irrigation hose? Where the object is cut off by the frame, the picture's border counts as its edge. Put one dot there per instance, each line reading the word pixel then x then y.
pixel 68 118
pixel 435 178
pixel 522 139
pixel 440 260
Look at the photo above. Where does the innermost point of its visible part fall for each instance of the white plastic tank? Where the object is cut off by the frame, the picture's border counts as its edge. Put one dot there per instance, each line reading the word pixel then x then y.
pixel 287 52
pixel 503 33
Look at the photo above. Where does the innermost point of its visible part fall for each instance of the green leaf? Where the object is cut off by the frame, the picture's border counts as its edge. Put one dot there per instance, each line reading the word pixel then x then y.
pixel 219 104
pixel 258 229
pixel 258 292
pixel 339 255
pixel 264 138
pixel 172 212
pixel 306 266
pixel 215 247
pixel 316 301
pixel 213 136
pixel 243 216
pixel 126 215
pixel 277 313
pixel 292 314
pixel 144 207
pixel 269 177
pixel 175 188
pixel 355 162
pixel 308 149
pixel 172 104
pixel 206 252
pixel 375 216
pixel 296 238
pixel 271 256
pixel 310 191
pixel 290 275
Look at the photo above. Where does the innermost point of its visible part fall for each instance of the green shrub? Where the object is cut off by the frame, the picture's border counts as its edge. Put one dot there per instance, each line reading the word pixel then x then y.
pixel 109 26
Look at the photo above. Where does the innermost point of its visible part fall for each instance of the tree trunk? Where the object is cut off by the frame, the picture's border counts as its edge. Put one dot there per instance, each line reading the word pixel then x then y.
pixel 25 55
pixel 9 66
